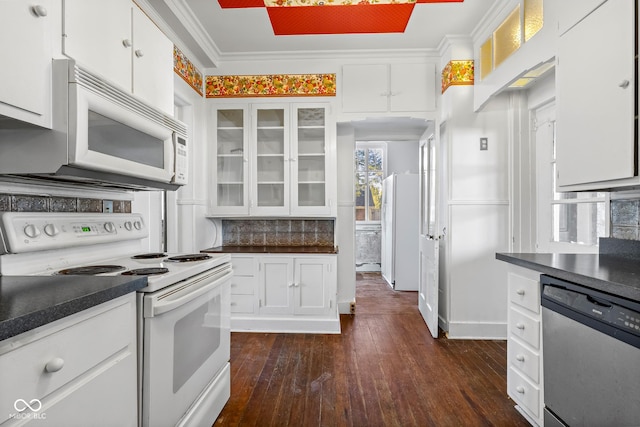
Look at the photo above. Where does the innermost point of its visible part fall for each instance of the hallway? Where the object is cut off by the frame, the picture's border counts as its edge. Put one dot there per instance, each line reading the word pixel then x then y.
pixel 385 369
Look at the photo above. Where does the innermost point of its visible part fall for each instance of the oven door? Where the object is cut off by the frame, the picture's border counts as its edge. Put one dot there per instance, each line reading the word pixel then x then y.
pixel 186 344
pixel 107 136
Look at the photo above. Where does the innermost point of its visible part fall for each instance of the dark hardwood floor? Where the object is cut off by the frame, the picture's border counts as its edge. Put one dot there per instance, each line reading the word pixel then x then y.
pixel 385 369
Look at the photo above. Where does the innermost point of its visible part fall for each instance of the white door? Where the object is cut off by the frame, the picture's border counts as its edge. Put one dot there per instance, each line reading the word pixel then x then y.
pixel 429 238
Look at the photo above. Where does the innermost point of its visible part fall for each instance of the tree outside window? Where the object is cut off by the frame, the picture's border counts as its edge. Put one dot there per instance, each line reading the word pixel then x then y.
pixel 369 159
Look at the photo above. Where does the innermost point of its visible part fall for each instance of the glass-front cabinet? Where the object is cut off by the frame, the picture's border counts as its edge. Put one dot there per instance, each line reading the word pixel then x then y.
pixel 230 171
pixel 272 160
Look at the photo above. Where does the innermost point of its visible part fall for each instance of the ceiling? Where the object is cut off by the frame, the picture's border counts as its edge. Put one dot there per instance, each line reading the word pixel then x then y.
pixel 213 34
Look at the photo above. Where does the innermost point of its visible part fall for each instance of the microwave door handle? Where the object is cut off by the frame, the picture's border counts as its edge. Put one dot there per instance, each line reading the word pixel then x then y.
pixel 172 157
pixel 162 306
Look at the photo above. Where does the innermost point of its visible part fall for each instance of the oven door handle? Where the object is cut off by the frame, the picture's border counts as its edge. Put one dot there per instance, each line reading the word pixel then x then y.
pixel 158 305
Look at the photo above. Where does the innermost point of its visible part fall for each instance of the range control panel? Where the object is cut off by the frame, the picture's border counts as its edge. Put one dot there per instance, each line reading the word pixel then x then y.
pixel 37 231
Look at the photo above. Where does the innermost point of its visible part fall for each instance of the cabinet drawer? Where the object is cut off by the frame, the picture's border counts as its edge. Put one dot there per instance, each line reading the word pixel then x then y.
pixel 243 285
pixel 525 360
pixel 523 392
pixel 525 292
pixel 244 266
pixel 242 304
pixel 524 327
pixel 78 345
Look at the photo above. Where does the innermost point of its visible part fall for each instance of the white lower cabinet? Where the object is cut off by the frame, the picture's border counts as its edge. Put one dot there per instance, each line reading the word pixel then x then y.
pixel 275 293
pixel 524 345
pixel 77 371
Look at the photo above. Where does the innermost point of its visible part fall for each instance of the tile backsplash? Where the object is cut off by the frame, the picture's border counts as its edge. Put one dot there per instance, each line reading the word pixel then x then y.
pixel 277 232
pixel 625 219
pixel 34 203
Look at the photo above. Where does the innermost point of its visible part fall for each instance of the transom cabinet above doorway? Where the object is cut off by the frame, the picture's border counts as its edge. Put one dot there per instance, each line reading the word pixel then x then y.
pixel 272 160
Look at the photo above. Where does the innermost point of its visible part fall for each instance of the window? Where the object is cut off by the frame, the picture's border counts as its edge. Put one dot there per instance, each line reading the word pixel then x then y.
pixel 570 221
pixel 370 166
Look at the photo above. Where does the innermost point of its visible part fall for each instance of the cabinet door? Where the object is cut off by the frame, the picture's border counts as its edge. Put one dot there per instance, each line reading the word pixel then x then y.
pixel 98 37
pixel 314 285
pixel 365 88
pixel 276 284
pixel 270 159
pixel 412 87
pixel 26 48
pixel 152 63
pixel 570 12
pixel 595 97
pixel 230 161
pixel 311 161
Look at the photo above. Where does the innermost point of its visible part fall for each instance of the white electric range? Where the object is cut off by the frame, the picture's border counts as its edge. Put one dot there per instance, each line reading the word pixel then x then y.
pixel 183 312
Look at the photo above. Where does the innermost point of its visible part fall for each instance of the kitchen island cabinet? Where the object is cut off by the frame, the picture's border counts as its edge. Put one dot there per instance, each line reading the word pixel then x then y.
pixel 272 160
pixel 284 292
pixel 76 371
pixel 596 143
pixel 26 32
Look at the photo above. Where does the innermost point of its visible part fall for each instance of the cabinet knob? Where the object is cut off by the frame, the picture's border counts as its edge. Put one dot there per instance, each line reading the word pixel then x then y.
pixel 520 389
pixel 39 10
pixel 624 84
pixel 520 358
pixel 520 291
pixel 139 53
pixel 520 326
pixel 54 365
pixel 126 43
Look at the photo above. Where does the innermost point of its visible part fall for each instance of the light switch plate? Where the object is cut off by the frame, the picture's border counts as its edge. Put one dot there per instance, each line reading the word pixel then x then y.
pixel 484 144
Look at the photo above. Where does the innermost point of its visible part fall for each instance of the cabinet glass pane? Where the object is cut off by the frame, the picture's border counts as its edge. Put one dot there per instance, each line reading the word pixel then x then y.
pixel 230 169
pixel 230 194
pixel 270 169
pixel 533 18
pixel 311 117
pixel 271 194
pixel 311 194
pixel 311 168
pixel 270 141
pixel 507 37
pixel 270 118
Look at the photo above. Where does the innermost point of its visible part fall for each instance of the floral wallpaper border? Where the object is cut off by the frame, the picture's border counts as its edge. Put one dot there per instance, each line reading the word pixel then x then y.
pixel 457 73
pixel 185 69
pixel 232 86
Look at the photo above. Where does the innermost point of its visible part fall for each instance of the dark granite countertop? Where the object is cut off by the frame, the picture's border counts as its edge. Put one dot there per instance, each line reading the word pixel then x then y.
pixel 27 302
pixel 612 273
pixel 273 249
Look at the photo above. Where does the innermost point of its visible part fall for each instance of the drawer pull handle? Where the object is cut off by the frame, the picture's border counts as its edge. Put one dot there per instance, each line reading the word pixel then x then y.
pixel 54 365
pixel 520 358
pixel 520 389
pixel 624 84
pixel 520 326
pixel 520 291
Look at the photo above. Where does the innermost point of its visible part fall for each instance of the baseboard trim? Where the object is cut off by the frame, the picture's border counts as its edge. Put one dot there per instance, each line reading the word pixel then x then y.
pixel 477 330
pixel 286 325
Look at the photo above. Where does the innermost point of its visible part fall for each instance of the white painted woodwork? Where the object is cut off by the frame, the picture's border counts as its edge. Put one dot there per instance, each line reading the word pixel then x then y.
pixel 570 12
pixel 268 162
pixel 152 63
pixel 276 293
pixel 381 88
pixel 596 100
pixel 524 342
pixel 95 377
pixel 27 48
pixel 123 45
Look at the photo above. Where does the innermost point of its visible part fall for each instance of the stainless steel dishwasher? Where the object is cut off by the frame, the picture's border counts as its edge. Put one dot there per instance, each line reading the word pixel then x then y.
pixel 591 356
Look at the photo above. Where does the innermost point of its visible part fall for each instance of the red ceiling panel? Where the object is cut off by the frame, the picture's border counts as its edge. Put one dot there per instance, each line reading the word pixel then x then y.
pixel 348 19
pixel 229 4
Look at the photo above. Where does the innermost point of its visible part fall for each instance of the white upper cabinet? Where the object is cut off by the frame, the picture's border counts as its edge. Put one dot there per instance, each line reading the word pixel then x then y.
pixel 99 37
pixel 570 12
pixel 596 90
pixel 383 88
pixel 122 44
pixel 26 33
pixel 272 160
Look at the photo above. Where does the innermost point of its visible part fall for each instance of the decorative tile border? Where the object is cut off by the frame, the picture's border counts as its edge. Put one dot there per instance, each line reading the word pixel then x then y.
pixel 185 69
pixel 457 73
pixel 34 203
pixel 277 232
pixel 271 85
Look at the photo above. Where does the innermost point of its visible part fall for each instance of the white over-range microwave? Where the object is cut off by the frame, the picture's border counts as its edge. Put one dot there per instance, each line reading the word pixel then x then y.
pixel 102 135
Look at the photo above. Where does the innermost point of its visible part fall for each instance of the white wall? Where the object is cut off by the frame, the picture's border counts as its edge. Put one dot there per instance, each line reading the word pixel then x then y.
pixel 402 157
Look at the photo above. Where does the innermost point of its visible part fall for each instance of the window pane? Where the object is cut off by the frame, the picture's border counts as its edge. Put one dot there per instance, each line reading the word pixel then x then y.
pixel 507 37
pixel 361 187
pixel 375 159
pixel 578 222
pixel 375 195
pixel 360 160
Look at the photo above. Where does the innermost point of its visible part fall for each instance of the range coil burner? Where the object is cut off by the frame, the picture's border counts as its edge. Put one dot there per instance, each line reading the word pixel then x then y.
pixel 152 271
pixel 152 255
pixel 91 270
pixel 188 258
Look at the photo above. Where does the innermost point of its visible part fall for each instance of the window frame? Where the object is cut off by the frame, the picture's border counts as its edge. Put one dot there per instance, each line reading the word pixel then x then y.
pixel 369 145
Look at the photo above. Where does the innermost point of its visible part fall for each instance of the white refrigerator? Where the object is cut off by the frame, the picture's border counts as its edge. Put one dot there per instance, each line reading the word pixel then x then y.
pixel 400 234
